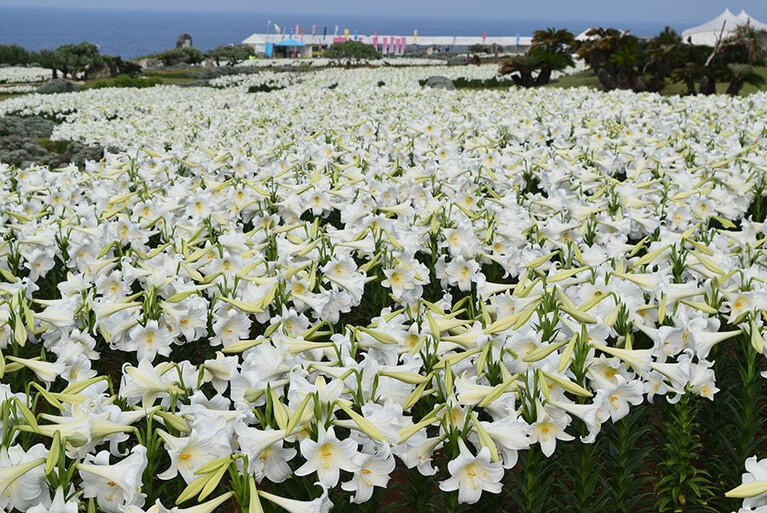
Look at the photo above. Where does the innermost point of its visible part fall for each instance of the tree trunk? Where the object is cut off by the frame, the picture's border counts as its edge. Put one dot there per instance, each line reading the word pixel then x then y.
pixel 707 85
pixel 690 83
pixel 544 77
pixel 736 84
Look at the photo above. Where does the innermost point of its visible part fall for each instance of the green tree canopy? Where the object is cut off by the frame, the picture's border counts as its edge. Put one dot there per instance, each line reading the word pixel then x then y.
pixel 185 55
pixel 231 54
pixel 615 56
pixel 14 55
pixel 77 59
pixel 352 52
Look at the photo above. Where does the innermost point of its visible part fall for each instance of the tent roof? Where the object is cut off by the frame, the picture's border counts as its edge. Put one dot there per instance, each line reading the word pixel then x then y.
pixel 723 25
pixel 290 42
pixel 744 17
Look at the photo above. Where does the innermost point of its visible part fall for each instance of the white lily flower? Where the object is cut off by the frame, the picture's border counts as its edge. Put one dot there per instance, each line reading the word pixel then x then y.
pixel 471 475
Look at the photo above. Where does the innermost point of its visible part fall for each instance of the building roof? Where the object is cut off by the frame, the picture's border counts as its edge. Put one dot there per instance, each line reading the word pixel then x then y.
pixel 290 42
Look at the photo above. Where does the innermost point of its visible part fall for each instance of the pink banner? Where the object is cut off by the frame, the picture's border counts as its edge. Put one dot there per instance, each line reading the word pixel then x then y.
pixel 385 48
pixel 339 39
pixel 375 41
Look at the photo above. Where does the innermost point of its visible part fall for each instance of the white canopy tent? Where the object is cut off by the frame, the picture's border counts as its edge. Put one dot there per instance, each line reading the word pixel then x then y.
pixel 722 26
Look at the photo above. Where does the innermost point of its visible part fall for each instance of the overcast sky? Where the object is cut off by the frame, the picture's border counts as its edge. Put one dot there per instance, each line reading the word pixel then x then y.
pixel 670 10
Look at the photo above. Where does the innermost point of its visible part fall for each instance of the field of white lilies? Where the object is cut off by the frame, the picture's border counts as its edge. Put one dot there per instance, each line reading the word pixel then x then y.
pixel 355 293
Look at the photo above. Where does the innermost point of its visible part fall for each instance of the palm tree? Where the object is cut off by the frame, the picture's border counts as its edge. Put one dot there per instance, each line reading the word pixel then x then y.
pixel 688 74
pixel 615 56
pixel 739 53
pixel 550 51
pixel 663 54
pixel 521 69
pixel 740 75
pixel 554 49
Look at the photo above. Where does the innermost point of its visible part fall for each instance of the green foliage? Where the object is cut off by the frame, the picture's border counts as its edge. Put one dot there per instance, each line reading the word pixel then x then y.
pixel 129 81
pixel 622 61
pixel 26 140
pixel 476 83
pixel 479 48
pixel 534 482
pixel 214 72
pixel 683 482
pixel 117 66
pixel 615 56
pixel 231 55
pixel 14 55
pixel 352 52
pixel 58 85
pixel 77 60
pixel 521 68
pixel 176 56
pixel 662 54
pixel 735 422
pixel 264 88
pixel 46 59
pixel 551 50
pixel 625 466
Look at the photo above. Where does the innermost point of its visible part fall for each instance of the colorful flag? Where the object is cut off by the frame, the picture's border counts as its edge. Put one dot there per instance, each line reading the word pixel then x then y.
pixel 415 36
pixel 346 34
pixel 336 32
pixel 484 36
pixel 277 29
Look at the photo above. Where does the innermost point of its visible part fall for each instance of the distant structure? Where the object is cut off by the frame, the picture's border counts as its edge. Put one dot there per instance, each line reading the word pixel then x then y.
pixel 309 45
pixel 184 40
pixel 722 27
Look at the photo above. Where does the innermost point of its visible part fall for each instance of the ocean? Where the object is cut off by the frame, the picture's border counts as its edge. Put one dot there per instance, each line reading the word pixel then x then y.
pixel 132 34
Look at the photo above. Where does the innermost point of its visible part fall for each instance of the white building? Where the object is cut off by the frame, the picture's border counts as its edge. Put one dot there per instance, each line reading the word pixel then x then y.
pixel 393 44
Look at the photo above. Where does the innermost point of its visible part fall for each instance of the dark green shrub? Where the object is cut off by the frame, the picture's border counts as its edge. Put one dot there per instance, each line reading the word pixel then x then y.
pixel 264 88
pixel 58 85
pixel 128 81
pixel 176 56
pixel 117 66
pixel 488 83
pixel 352 52
pixel 14 55
pixel 479 49
pixel 26 140
pixel 209 73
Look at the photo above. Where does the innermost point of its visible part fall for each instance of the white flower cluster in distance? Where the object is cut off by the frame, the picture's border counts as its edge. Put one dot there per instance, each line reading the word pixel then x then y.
pixel 21 74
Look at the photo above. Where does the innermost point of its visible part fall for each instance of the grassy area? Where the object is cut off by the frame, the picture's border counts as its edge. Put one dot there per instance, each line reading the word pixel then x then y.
pixel 580 79
pixel 167 76
pixel 177 76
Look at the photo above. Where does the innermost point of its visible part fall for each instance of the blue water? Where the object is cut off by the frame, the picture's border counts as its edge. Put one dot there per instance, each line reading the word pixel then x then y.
pixel 132 34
